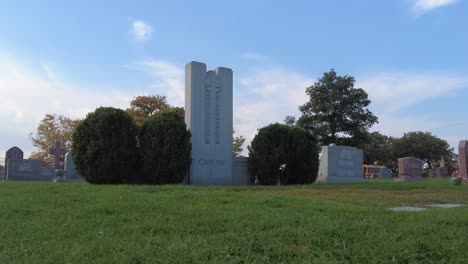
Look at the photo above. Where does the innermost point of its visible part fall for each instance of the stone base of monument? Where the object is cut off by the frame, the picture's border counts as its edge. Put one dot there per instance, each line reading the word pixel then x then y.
pixel 409 179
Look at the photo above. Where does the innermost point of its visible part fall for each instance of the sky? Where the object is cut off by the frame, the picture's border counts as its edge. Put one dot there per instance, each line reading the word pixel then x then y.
pixel 70 57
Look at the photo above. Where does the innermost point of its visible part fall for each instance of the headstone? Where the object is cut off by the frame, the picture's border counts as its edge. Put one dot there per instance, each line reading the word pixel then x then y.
pixel 14 153
pixel 70 173
pixel 57 151
pixel 208 115
pixel 240 171
pixel 28 170
pixel 341 164
pixel 463 157
pixel 410 169
pixel 440 172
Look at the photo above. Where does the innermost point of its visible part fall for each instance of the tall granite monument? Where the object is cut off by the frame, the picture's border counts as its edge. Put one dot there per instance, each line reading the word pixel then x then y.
pixel 208 115
pixel 463 158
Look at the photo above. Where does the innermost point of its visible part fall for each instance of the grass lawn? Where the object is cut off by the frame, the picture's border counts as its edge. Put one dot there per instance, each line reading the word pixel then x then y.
pixel 334 223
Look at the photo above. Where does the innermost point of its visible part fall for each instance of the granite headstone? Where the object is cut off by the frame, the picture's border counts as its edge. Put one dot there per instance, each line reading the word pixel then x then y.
pixel 341 164
pixel 410 169
pixel 28 170
pixel 70 173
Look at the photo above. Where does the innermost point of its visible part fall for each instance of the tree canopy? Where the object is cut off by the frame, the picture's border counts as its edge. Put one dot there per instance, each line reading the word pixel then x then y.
pixel 165 148
pixel 105 146
pixel 237 143
pixel 279 144
pixel 337 111
pixel 379 150
pixel 424 146
pixel 52 127
pixel 144 107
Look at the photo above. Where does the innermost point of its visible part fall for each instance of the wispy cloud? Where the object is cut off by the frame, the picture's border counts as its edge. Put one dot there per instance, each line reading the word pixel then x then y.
pixel 167 79
pixel 268 95
pixel 27 95
pixel 421 7
pixel 396 91
pixel 141 31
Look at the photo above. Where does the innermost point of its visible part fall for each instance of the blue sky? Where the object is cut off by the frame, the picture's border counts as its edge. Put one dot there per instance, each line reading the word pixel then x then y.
pixel 69 58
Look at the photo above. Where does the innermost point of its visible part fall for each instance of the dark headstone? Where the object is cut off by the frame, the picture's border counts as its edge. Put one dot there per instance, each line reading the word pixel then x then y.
pixel 14 153
pixel 463 157
pixel 57 151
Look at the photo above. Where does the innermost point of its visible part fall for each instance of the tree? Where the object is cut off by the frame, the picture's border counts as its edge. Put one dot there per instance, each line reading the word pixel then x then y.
pixel 379 150
pixel 279 144
pixel 290 121
pixel 144 107
pixel 424 146
pixel 165 148
pixel 237 143
pixel 337 111
pixel 52 127
pixel 104 146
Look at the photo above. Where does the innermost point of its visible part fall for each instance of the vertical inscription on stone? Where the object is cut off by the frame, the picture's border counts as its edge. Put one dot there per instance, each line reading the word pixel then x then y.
pixel 207 114
pixel 218 115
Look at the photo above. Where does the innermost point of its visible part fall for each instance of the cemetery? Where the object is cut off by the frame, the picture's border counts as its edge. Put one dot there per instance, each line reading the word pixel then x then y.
pixel 133 194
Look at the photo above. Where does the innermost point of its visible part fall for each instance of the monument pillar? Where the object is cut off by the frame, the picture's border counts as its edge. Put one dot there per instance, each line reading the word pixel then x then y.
pixel 463 158
pixel 208 115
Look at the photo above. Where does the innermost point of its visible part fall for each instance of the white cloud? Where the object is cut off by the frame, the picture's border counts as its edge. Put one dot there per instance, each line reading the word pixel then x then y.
pixel 141 31
pixel 423 6
pixel 27 95
pixel 168 79
pixel 269 95
pixel 395 91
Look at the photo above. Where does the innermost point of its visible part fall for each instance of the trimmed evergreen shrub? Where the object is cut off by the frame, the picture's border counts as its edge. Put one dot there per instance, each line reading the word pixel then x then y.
pixel 279 144
pixel 165 148
pixel 104 146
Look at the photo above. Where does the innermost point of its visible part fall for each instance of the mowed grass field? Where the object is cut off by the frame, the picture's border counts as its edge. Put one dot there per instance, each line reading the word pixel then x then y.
pixel 334 223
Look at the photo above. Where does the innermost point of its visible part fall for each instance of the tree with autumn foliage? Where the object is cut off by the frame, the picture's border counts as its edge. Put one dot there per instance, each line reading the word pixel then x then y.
pixel 52 127
pixel 143 108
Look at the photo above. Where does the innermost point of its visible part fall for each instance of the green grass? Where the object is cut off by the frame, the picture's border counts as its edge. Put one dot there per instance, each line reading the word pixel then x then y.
pixel 81 223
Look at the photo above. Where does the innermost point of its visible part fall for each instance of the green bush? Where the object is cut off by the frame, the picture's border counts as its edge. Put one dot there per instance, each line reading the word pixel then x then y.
pixel 104 146
pixel 165 148
pixel 278 144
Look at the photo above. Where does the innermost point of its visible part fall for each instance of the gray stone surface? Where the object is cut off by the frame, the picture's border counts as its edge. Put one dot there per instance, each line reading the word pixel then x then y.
pixel 70 173
pixel 446 205
pixel 410 167
pixel 408 209
pixel 240 171
pixel 208 115
pixel 341 164
pixel 28 170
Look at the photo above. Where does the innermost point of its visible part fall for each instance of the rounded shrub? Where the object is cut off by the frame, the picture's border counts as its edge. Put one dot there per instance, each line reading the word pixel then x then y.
pixel 279 144
pixel 165 148
pixel 104 146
